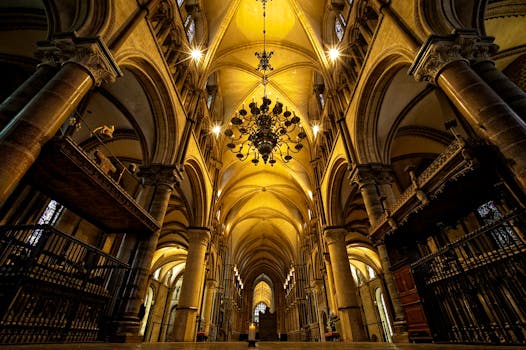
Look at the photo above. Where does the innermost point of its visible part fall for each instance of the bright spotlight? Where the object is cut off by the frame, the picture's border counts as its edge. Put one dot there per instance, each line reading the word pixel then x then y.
pixel 196 54
pixel 216 129
pixel 334 53
pixel 315 130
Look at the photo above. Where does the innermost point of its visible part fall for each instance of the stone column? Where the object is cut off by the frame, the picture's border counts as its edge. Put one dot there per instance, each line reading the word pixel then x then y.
pixel 440 62
pixel 479 53
pixel 211 286
pixel 87 63
pixel 187 310
pixel 331 293
pixel 25 92
pixel 348 306
pixel 159 181
pixel 374 184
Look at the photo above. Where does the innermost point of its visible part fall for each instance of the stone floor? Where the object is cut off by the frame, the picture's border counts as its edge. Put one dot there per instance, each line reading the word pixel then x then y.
pixel 259 346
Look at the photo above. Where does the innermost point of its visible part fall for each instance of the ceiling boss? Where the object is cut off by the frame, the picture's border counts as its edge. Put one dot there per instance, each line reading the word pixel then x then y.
pixel 264 132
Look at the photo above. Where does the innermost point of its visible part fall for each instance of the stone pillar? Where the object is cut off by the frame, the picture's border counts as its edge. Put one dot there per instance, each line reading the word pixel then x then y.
pixel 159 181
pixel 209 297
pixel 479 53
pixel 374 184
pixel 348 307
pixel 87 63
pixel 331 293
pixel 440 62
pixel 187 310
pixel 25 92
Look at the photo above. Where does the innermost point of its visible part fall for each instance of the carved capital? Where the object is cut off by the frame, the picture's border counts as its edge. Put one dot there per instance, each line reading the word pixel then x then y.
pixel 198 235
pixel 438 52
pixel 362 175
pixel 334 235
pixel 477 49
pixel 371 174
pixel 434 56
pixel 89 53
pixel 48 54
pixel 159 174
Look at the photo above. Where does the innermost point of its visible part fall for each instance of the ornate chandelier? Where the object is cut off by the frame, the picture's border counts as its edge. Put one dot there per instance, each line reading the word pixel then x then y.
pixel 265 131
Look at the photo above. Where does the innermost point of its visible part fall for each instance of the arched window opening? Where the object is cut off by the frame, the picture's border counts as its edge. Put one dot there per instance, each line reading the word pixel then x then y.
pixel 370 272
pixel 261 307
pixel 180 3
pixel 49 216
pixel 339 27
pixel 189 25
pixel 384 316
pixel 357 275
pixel 145 311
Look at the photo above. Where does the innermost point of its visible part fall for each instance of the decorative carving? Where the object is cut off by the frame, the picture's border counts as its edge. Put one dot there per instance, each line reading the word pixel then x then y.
pixel 478 49
pixel 160 174
pixel 434 56
pixel 438 52
pixel 48 54
pixel 198 235
pixel 334 235
pixel 90 53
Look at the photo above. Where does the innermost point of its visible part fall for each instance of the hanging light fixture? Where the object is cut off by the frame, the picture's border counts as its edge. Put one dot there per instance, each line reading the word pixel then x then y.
pixel 264 132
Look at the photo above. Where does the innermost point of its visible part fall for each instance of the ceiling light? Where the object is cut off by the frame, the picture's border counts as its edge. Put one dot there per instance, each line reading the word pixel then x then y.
pixel 315 130
pixel 334 53
pixel 265 131
pixel 216 129
pixel 196 54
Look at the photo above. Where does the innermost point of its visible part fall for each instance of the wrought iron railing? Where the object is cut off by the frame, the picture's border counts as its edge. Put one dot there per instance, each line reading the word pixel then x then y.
pixel 54 287
pixel 474 288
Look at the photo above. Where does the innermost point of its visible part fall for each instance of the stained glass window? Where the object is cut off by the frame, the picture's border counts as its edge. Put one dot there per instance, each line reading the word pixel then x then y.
pixel 502 234
pixel 189 24
pixel 48 217
pixel 261 307
pixel 339 28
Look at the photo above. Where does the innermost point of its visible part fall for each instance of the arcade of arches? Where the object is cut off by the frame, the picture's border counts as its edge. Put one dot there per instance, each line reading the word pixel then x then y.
pixel 125 217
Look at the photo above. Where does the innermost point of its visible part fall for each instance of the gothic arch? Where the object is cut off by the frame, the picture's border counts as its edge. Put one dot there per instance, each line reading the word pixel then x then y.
pixel 197 196
pixel 87 18
pixel 377 82
pixel 334 204
pixel 448 16
pixel 162 146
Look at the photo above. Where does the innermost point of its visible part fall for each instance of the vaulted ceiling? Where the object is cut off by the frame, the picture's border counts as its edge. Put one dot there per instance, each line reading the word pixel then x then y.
pixel 265 208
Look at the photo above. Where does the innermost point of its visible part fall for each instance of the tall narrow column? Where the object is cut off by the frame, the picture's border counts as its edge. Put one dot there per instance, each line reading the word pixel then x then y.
pixel 374 184
pixel 441 63
pixel 159 180
pixel 331 293
pixel 211 285
pixel 185 317
pixel 88 64
pixel 348 307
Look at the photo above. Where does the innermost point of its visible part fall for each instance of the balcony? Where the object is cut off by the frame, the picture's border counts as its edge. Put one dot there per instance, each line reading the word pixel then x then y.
pixel 451 183
pixel 66 173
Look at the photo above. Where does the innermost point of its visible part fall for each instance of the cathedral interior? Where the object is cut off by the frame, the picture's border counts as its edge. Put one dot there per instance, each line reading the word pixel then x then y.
pixel 270 170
